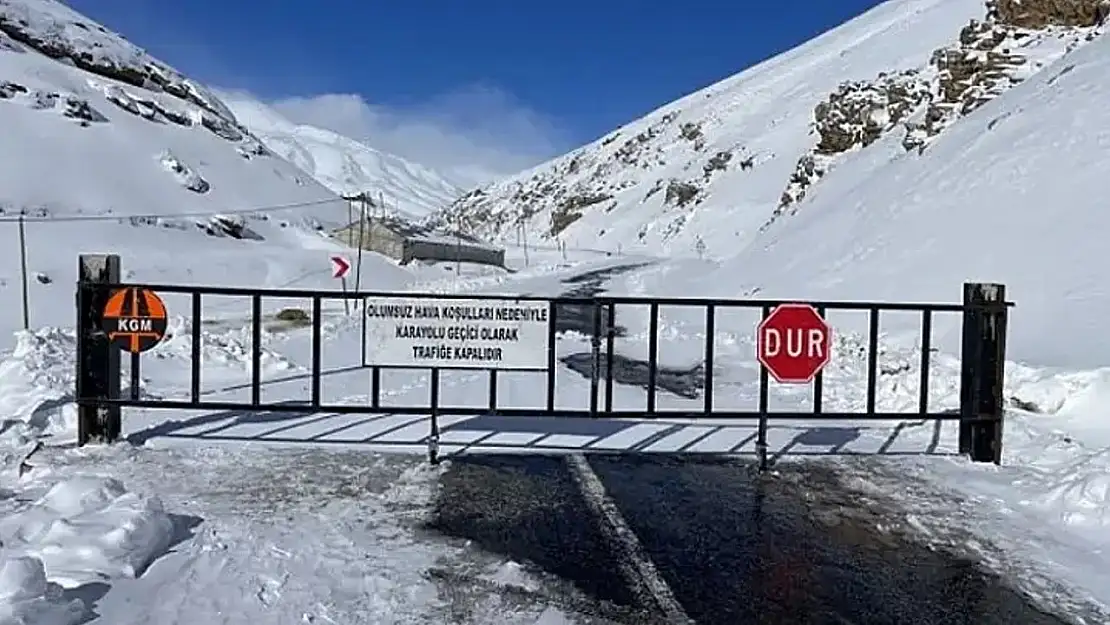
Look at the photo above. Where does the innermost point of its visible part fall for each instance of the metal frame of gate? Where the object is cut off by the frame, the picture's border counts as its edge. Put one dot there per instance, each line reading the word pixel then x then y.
pixel 984 311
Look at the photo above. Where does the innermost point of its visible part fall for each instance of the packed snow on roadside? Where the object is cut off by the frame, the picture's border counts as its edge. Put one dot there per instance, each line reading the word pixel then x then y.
pixel 83 531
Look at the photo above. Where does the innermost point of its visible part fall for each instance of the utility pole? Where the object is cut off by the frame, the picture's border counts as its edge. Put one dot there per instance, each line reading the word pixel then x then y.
pixel 23 272
pixel 361 227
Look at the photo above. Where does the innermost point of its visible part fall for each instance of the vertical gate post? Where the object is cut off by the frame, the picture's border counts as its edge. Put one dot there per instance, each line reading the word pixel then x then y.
pixel 983 369
pixel 98 361
pixel 595 357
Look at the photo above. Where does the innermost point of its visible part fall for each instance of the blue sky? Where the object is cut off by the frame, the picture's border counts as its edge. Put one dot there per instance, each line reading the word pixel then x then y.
pixel 506 83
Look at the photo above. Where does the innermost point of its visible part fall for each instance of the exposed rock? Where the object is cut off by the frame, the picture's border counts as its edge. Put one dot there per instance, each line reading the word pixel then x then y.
pixel 188 178
pixel 968 74
pixel 810 169
pixel 859 112
pixel 680 193
pixel 655 188
pixel 81 110
pixel 222 128
pixel 959 79
pixel 9 90
pixel 570 210
pixel 718 162
pixel 691 131
pixel 854 116
pixel 54 40
pixel 44 100
pixel 7 44
pixel 1037 14
pixel 252 148
pixel 233 226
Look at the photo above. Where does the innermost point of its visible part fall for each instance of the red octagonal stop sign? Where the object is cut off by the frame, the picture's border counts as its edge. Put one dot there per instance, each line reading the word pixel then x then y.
pixel 793 342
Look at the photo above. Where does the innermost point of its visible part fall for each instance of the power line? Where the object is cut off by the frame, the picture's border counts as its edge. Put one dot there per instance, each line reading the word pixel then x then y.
pixel 209 213
pixel 245 211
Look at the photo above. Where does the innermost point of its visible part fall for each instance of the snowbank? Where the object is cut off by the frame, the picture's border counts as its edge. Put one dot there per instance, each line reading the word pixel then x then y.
pixel 27 598
pixel 35 385
pixel 90 529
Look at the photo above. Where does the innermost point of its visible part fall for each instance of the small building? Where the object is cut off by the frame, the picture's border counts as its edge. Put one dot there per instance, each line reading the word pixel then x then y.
pixel 407 241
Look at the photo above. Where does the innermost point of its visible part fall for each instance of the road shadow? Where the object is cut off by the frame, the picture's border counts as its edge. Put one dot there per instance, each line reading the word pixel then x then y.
pixel 493 433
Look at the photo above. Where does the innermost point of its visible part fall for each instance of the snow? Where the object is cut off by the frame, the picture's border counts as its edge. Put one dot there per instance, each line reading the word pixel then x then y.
pixel 27 597
pixel 87 529
pixel 292 518
pixel 347 166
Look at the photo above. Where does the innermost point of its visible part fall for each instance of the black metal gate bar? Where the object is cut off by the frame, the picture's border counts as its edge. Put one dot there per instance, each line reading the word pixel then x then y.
pixel 317 346
pixel 710 346
pixel 926 347
pixel 256 350
pixel 552 364
pixel 610 355
pixel 764 408
pixel 819 381
pixel 195 348
pixel 136 376
pixel 872 357
pixel 653 354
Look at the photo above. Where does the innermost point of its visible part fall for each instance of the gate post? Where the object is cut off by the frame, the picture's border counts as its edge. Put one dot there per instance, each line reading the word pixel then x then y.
pixel 983 369
pixel 98 361
pixel 595 357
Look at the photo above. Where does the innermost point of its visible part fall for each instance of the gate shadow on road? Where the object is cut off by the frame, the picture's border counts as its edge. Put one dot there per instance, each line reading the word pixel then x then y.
pixel 501 434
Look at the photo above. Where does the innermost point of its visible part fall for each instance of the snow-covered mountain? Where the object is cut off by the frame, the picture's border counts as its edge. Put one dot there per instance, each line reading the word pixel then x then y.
pixel 344 165
pixel 105 148
pixel 823 152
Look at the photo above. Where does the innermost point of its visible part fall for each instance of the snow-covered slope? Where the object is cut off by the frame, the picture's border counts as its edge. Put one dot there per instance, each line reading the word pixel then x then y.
pixel 1015 194
pixel 344 165
pixel 709 170
pixel 106 149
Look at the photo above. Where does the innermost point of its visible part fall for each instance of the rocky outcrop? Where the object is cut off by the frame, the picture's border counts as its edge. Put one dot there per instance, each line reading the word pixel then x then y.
pixel 856 115
pixel 69 105
pixel 94 49
pixel 570 210
pixel 1039 14
pixel 988 58
pixel 584 180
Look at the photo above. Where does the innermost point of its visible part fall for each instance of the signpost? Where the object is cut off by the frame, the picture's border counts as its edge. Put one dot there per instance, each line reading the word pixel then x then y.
pixel 340 268
pixel 458 333
pixel 793 343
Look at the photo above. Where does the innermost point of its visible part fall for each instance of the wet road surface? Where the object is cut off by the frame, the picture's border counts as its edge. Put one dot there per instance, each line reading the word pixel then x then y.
pixel 732 546
pixel 687 383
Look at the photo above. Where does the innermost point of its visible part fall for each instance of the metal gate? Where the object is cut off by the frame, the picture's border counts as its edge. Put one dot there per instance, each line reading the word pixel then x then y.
pixel 983 310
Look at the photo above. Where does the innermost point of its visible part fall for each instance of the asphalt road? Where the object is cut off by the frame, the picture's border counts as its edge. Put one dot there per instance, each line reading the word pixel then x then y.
pixel 732 547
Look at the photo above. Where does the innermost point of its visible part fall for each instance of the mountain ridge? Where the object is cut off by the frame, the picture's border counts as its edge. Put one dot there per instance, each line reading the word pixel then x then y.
pixel 344 165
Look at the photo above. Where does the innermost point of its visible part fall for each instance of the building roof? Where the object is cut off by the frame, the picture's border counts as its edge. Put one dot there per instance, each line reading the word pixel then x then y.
pixel 417 232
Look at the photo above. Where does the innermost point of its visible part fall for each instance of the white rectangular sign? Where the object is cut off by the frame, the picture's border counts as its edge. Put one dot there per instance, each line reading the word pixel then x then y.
pixel 457 333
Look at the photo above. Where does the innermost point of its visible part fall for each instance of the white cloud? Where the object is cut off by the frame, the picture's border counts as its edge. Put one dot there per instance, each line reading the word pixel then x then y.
pixel 473 135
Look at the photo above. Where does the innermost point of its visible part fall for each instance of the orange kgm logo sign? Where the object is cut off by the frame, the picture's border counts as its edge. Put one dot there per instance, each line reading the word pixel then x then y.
pixel 135 319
